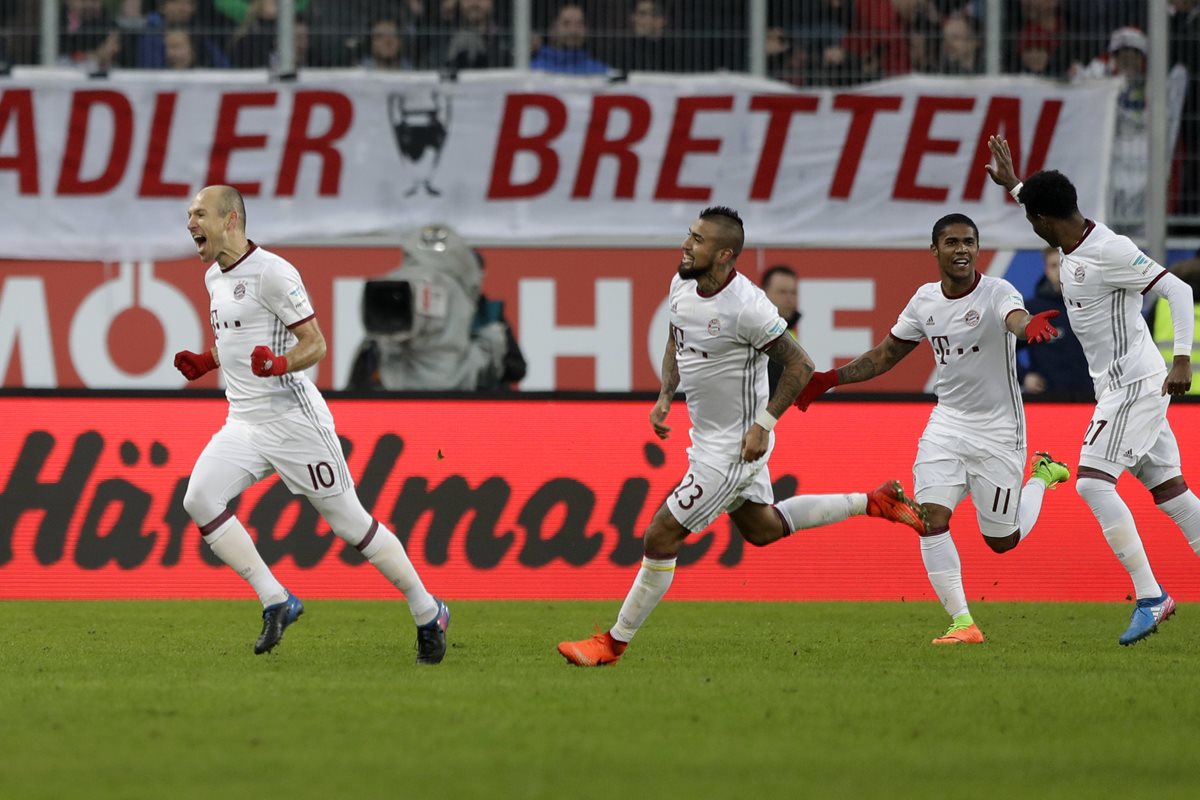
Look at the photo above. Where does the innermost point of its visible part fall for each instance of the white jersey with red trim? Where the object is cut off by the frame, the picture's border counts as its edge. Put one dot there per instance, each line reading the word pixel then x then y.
pixel 719 341
pixel 1104 277
pixel 256 302
pixel 974 357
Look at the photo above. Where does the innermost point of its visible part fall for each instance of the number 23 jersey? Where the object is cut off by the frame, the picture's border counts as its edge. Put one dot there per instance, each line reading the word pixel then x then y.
pixel 718 342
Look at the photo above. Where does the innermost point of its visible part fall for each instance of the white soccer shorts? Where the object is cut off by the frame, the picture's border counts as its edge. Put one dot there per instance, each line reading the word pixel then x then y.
pixel 706 491
pixel 1129 431
pixel 303 450
pixel 949 466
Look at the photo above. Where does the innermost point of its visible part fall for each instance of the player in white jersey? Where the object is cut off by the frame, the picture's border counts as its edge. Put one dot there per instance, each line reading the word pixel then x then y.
pixel 723 330
pixel 266 333
pixel 975 439
pixel 1104 278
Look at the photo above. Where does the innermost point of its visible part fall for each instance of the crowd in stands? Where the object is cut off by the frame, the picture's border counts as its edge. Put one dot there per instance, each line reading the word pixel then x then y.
pixel 809 42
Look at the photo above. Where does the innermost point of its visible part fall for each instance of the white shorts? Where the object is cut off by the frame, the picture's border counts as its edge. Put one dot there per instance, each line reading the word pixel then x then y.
pixel 303 450
pixel 949 466
pixel 1129 431
pixel 707 491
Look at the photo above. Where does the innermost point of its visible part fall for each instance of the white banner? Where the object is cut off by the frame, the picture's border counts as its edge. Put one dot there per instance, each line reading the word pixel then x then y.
pixel 105 169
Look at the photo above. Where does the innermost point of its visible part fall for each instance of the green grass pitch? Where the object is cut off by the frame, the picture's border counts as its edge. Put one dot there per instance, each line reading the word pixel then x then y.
pixel 165 700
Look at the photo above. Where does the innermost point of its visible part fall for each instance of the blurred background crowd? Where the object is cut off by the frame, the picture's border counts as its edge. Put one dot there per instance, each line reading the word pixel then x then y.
pixel 807 42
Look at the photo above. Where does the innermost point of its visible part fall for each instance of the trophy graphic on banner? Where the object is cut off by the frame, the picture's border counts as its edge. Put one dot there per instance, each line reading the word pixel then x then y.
pixel 420 131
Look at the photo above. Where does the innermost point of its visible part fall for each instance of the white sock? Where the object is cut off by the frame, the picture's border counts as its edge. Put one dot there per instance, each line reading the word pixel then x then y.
pixel 1116 521
pixel 1030 505
pixel 814 510
pixel 384 551
pixel 651 583
pixel 945 572
pixel 233 545
pixel 1185 510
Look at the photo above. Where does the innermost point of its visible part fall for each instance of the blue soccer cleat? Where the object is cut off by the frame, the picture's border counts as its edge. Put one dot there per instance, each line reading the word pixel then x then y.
pixel 431 637
pixel 1147 615
pixel 276 618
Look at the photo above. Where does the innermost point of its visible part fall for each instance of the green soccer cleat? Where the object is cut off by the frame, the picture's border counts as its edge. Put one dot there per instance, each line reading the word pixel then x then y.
pixel 1049 471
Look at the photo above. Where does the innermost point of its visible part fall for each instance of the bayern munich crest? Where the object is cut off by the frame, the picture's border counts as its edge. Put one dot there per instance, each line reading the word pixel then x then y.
pixel 1079 273
pixel 714 326
pixel 971 318
pixel 239 291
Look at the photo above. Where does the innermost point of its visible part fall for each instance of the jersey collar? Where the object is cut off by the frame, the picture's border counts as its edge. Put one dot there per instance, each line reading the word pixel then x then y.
pixel 728 280
pixel 1088 228
pixel 978 277
pixel 245 255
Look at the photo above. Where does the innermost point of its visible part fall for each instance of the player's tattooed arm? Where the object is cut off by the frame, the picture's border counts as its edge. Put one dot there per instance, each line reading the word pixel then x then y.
pixel 670 382
pixel 875 361
pixel 797 370
pixel 670 371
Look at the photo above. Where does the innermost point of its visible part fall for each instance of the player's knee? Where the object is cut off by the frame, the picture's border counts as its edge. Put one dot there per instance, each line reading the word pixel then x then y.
pixel 758 537
pixel 1168 490
pixel 1002 544
pixel 200 506
pixel 662 540
pixel 1094 490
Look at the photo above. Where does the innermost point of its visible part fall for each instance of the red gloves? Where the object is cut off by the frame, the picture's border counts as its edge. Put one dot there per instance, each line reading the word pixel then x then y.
pixel 819 384
pixel 193 365
pixel 264 363
pixel 1039 328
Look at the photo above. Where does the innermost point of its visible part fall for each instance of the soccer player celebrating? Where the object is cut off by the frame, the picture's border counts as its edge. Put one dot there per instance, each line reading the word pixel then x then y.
pixel 723 330
pixel 266 332
pixel 974 441
pixel 1104 277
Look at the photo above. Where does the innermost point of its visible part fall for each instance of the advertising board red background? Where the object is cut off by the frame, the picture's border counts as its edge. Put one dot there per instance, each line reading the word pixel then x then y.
pixel 523 499
pixel 585 317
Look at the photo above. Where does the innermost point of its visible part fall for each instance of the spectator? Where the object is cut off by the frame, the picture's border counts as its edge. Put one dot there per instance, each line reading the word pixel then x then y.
pixel 785 61
pixel 1035 55
pixel 342 29
pixel 893 37
pixel 566 52
pixel 1129 165
pixel 477 43
pixel 1188 271
pixel 1058 366
pixel 88 36
pixel 151 52
pixel 647 47
pixel 179 49
pixel 421 321
pixel 1042 29
pixel 252 44
pixel 1185 51
pixel 387 46
pixel 237 11
pixel 960 47
pixel 821 34
pixel 779 283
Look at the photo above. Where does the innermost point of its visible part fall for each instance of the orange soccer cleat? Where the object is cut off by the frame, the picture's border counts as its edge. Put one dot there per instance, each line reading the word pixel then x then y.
pixel 961 634
pixel 596 651
pixel 889 502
